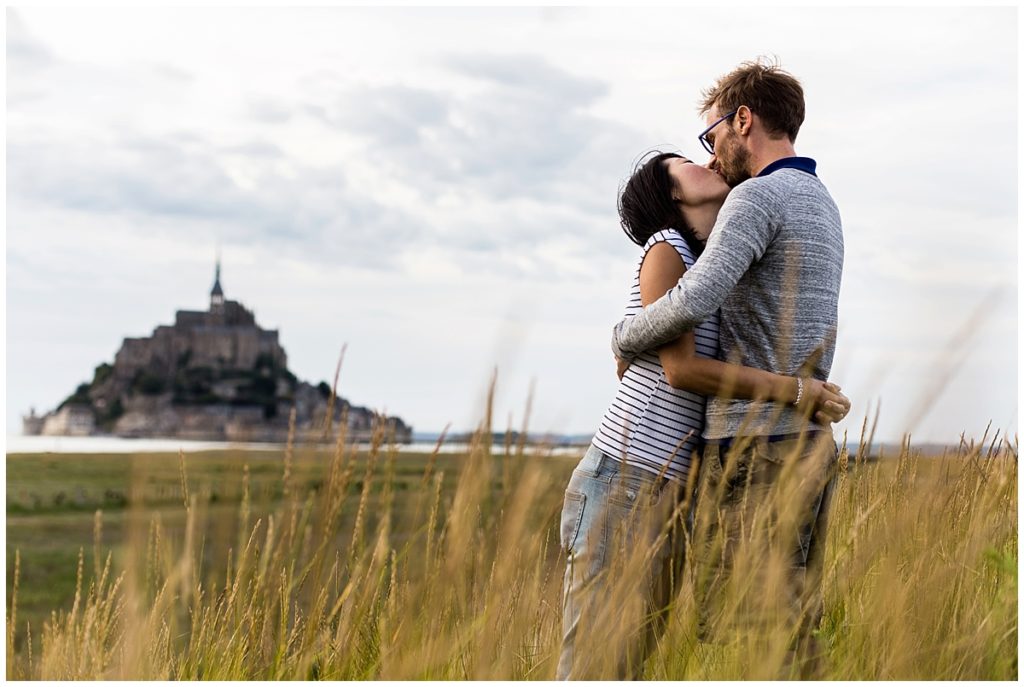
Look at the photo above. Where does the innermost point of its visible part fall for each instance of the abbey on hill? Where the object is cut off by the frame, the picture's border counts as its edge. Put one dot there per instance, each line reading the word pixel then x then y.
pixel 212 375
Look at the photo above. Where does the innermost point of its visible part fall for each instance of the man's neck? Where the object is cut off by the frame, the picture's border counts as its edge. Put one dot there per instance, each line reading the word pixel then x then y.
pixel 769 153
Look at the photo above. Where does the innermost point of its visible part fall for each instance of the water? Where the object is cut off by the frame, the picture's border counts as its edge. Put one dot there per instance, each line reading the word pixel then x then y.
pixel 55 444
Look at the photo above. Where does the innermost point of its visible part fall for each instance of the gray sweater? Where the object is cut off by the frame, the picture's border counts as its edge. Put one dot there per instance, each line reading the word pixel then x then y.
pixel 773 265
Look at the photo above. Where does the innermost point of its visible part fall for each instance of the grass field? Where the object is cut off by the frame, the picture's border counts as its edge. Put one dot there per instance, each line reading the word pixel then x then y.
pixel 338 564
pixel 52 500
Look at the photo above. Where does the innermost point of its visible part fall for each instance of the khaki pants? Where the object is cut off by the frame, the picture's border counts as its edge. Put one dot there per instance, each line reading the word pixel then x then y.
pixel 760 524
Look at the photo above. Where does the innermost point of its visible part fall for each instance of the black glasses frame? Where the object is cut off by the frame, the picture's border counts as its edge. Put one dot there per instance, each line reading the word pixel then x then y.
pixel 703 137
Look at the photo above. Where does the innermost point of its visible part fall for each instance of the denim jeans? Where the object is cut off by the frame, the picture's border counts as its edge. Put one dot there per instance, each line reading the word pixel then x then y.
pixel 621 531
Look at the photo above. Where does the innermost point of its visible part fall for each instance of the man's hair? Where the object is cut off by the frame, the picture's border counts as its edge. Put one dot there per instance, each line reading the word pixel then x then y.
pixel 770 92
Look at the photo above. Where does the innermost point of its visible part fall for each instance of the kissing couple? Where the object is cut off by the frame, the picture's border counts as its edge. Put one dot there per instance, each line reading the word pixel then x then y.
pixel 715 460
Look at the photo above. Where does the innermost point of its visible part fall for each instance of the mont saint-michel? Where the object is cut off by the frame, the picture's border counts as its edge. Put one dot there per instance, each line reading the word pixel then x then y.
pixel 213 375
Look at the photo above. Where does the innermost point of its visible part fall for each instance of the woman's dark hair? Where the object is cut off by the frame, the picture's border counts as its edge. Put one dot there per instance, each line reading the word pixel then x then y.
pixel 646 205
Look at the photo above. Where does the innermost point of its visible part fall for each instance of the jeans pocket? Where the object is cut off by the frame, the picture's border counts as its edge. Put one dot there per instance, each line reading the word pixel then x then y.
pixel 631 492
pixel 572 518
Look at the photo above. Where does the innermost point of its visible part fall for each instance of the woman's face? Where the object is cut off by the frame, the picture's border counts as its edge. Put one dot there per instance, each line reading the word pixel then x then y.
pixel 696 186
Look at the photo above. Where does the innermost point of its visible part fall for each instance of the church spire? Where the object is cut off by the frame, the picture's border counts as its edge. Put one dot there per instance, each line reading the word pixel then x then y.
pixel 217 293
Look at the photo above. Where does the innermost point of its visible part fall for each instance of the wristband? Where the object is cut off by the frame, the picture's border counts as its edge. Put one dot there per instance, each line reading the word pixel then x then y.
pixel 799 391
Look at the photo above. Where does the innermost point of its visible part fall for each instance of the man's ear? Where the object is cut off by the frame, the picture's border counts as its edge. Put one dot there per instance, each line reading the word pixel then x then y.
pixel 744 120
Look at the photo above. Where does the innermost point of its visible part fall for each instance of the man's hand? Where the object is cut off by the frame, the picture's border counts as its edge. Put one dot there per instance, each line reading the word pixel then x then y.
pixel 621 365
pixel 825 401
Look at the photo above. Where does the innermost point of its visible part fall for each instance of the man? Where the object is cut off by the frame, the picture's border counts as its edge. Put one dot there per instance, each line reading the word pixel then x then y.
pixel 773 265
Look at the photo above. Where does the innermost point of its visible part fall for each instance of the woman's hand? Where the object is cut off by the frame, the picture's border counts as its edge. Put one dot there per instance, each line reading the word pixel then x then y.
pixel 824 400
pixel 621 365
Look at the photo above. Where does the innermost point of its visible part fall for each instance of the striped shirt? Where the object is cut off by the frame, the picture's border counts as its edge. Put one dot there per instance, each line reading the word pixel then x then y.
pixel 649 423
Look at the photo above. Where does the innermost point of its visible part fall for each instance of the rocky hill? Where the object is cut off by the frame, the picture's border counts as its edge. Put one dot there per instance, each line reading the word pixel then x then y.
pixel 212 375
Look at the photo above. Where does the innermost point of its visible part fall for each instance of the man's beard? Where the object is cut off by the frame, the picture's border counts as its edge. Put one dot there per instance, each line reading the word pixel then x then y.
pixel 735 166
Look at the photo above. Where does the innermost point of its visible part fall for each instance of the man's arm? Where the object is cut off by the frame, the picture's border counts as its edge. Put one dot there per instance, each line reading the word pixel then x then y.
pixel 741 235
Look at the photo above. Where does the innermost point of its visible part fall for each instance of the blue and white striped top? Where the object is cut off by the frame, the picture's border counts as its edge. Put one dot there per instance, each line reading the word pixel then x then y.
pixel 650 423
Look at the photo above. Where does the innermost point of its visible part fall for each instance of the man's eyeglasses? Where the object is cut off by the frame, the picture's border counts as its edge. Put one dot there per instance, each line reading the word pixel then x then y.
pixel 703 138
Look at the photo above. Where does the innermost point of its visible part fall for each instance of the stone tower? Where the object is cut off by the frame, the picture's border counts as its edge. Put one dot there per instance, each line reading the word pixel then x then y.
pixel 217 293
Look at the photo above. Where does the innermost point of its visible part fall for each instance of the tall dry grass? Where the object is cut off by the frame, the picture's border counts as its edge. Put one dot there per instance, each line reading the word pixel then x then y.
pixel 920 580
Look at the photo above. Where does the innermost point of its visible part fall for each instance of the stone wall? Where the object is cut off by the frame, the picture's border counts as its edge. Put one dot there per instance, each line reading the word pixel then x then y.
pixel 71 420
pixel 134 353
pixel 208 339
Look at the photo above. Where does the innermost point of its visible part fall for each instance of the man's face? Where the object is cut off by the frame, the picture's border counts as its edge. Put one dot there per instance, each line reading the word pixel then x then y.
pixel 732 159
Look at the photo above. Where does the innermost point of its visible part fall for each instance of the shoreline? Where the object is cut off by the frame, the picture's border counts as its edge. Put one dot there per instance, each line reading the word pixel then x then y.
pixel 43 445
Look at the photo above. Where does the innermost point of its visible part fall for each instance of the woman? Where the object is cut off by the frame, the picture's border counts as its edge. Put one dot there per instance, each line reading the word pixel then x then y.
pixel 623 498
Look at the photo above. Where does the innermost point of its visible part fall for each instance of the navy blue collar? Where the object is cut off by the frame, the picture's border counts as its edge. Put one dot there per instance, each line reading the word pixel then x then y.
pixel 804 164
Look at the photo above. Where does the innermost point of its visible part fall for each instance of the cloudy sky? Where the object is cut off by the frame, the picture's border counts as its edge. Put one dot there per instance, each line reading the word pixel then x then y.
pixel 436 188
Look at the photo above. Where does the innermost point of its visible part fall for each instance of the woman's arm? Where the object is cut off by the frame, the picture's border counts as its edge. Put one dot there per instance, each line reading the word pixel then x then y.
pixel 684 369
pixel 744 229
